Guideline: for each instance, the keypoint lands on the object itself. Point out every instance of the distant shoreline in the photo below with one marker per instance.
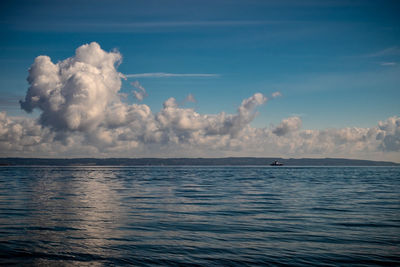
(228, 161)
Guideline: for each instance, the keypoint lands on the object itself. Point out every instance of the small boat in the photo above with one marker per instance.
(276, 163)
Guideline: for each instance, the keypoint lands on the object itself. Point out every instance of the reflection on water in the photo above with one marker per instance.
(63, 210)
(199, 215)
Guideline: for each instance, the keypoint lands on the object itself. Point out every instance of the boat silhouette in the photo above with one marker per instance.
(276, 163)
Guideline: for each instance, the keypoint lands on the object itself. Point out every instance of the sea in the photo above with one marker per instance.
(199, 216)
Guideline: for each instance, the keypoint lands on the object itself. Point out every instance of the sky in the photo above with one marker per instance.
(200, 79)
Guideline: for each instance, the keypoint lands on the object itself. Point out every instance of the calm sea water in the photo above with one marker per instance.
(202, 216)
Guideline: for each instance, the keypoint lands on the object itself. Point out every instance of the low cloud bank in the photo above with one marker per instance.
(82, 114)
(287, 126)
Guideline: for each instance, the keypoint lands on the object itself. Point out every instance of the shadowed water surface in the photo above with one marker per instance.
(199, 215)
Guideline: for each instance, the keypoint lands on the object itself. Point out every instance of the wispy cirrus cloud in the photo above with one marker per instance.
(201, 23)
(388, 63)
(144, 25)
(166, 75)
(390, 51)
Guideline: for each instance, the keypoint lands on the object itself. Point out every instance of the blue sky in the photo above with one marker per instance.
(325, 57)
(336, 63)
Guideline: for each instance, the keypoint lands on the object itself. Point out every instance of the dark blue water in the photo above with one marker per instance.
(199, 216)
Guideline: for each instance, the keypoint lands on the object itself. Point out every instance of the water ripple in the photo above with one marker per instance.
(199, 216)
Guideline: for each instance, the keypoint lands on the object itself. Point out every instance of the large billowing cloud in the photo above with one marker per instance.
(73, 94)
(82, 114)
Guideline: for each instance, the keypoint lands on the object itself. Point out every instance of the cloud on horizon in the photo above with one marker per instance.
(82, 114)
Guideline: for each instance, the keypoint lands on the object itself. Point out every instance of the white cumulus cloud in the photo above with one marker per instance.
(288, 125)
(75, 93)
(190, 98)
(82, 115)
(276, 94)
(140, 93)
